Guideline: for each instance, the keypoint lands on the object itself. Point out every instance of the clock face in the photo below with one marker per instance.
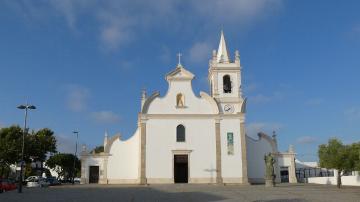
(229, 108)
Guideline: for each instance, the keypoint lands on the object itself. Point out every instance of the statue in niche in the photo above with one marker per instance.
(269, 170)
(180, 100)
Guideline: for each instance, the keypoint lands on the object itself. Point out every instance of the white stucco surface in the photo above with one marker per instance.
(231, 164)
(284, 161)
(91, 161)
(124, 157)
(256, 150)
(193, 104)
(199, 142)
(345, 180)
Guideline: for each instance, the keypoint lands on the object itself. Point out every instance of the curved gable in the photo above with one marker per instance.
(180, 87)
(148, 102)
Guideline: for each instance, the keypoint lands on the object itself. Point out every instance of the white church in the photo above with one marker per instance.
(183, 137)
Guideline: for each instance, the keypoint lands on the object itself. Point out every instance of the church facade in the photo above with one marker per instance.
(187, 138)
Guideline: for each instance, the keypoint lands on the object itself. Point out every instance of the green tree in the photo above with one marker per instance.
(36, 145)
(355, 155)
(336, 155)
(98, 149)
(40, 143)
(63, 164)
(10, 148)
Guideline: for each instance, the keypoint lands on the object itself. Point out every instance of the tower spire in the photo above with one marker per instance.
(222, 53)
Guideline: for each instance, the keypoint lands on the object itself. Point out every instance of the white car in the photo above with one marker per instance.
(37, 182)
(32, 178)
(77, 180)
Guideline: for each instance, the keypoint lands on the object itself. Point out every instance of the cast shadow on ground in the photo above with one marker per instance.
(282, 200)
(89, 194)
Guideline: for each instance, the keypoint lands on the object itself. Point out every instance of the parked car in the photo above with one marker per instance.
(32, 178)
(7, 185)
(53, 181)
(39, 182)
(77, 180)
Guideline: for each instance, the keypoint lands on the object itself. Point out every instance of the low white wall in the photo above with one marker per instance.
(88, 161)
(123, 162)
(256, 150)
(346, 180)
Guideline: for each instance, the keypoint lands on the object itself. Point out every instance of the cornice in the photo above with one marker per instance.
(192, 116)
(98, 155)
(110, 142)
(148, 102)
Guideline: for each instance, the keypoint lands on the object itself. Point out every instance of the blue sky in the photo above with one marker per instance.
(84, 63)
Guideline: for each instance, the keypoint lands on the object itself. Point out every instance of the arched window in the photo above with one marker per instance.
(227, 84)
(180, 100)
(180, 133)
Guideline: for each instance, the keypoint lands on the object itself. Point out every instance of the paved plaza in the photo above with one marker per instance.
(186, 193)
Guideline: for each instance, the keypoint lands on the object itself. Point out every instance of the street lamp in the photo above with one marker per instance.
(26, 108)
(77, 136)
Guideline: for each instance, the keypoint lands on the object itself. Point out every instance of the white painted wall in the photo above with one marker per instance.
(231, 164)
(167, 104)
(256, 150)
(284, 161)
(161, 140)
(123, 162)
(91, 161)
(345, 180)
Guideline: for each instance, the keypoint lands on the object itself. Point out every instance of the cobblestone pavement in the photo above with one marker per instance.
(186, 193)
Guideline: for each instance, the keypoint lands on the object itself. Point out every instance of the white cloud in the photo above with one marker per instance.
(352, 113)
(306, 140)
(119, 22)
(66, 8)
(252, 129)
(115, 30)
(200, 52)
(77, 98)
(240, 11)
(105, 117)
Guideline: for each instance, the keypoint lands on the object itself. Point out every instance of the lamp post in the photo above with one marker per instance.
(26, 108)
(77, 136)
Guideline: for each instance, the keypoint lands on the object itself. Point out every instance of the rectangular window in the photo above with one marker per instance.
(230, 143)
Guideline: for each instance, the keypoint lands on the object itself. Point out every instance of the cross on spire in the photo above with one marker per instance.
(179, 58)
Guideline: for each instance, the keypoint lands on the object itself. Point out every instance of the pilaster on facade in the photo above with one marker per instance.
(142, 168)
(104, 179)
(219, 179)
(244, 164)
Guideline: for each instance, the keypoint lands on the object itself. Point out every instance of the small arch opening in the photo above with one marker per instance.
(227, 84)
(180, 133)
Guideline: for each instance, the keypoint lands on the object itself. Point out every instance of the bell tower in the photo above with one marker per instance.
(225, 78)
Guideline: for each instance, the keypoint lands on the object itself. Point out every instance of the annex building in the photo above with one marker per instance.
(183, 137)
